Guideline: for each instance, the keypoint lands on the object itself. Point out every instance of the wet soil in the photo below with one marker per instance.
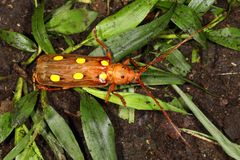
(150, 136)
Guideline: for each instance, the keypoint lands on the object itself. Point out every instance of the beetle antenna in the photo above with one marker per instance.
(161, 57)
(149, 93)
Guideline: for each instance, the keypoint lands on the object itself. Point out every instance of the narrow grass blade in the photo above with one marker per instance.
(227, 37)
(61, 130)
(39, 31)
(5, 126)
(127, 18)
(125, 43)
(63, 133)
(18, 41)
(185, 18)
(28, 153)
(31, 151)
(18, 90)
(159, 77)
(201, 7)
(54, 145)
(24, 108)
(232, 149)
(97, 128)
(71, 21)
(24, 143)
(25, 88)
(134, 100)
(19, 147)
(33, 57)
(200, 135)
(48, 136)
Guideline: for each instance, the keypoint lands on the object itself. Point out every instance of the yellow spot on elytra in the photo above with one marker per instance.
(78, 76)
(103, 76)
(57, 58)
(80, 60)
(55, 78)
(104, 63)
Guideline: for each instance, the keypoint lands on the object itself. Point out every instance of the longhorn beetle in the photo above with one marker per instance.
(73, 70)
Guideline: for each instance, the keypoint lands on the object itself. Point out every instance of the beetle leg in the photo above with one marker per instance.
(121, 98)
(126, 61)
(149, 93)
(102, 44)
(132, 61)
(66, 87)
(111, 90)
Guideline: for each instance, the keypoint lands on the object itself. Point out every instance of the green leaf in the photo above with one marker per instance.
(54, 145)
(228, 37)
(232, 149)
(160, 77)
(48, 136)
(217, 10)
(19, 147)
(5, 126)
(127, 114)
(97, 128)
(24, 108)
(24, 143)
(64, 8)
(127, 18)
(195, 56)
(176, 58)
(63, 133)
(177, 102)
(187, 20)
(134, 100)
(39, 31)
(30, 151)
(71, 21)
(125, 43)
(18, 41)
(61, 130)
(201, 7)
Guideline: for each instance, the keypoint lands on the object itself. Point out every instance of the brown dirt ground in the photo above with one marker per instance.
(150, 137)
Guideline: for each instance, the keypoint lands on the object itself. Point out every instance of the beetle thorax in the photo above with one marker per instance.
(120, 74)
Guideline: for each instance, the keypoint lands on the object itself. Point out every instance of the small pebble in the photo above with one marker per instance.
(233, 64)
